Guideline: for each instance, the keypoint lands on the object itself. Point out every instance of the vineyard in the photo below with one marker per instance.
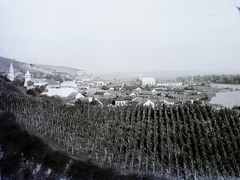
(184, 141)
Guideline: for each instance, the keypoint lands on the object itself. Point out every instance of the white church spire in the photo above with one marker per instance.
(11, 73)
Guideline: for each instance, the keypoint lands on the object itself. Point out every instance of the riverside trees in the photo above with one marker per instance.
(184, 141)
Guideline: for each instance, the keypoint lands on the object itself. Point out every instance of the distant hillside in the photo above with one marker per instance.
(21, 68)
(68, 70)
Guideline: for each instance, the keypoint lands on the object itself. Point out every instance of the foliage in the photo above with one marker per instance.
(205, 97)
(30, 83)
(32, 92)
(4, 76)
(105, 87)
(206, 79)
(18, 82)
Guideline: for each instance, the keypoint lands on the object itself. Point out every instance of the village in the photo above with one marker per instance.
(146, 91)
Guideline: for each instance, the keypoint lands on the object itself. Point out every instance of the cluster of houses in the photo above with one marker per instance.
(89, 89)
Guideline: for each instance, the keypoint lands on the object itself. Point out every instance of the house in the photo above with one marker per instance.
(107, 100)
(137, 100)
(170, 101)
(39, 82)
(83, 87)
(148, 102)
(79, 96)
(72, 96)
(116, 86)
(137, 90)
(100, 93)
(128, 98)
(154, 92)
(162, 98)
(69, 84)
(120, 101)
(150, 81)
(83, 78)
(145, 94)
(55, 85)
(133, 95)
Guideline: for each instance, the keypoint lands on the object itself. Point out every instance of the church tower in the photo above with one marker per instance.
(27, 78)
(11, 74)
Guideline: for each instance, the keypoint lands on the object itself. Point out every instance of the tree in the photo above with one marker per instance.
(49, 76)
(30, 83)
(18, 82)
(58, 78)
(205, 97)
(105, 87)
(32, 92)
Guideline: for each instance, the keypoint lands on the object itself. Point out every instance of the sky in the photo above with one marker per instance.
(123, 35)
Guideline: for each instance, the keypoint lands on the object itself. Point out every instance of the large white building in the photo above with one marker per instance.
(148, 81)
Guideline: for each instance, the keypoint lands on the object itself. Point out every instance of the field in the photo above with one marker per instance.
(184, 141)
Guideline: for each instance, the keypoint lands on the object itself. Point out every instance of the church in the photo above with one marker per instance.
(150, 81)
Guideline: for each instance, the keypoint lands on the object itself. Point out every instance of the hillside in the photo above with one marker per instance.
(25, 156)
(188, 141)
(21, 68)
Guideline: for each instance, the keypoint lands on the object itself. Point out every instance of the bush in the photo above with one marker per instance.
(32, 92)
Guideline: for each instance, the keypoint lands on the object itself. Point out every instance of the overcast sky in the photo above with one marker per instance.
(123, 35)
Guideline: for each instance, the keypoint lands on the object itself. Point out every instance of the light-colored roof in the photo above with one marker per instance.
(39, 81)
(68, 83)
(148, 79)
(138, 89)
(137, 99)
(119, 98)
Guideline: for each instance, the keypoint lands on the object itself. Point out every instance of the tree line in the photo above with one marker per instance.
(206, 79)
(184, 141)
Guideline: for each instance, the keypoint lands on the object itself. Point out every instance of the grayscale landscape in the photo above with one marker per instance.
(120, 90)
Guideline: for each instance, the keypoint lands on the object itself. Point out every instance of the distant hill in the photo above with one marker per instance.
(21, 68)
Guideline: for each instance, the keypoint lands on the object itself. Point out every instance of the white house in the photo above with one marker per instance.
(39, 82)
(120, 101)
(148, 81)
(148, 102)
